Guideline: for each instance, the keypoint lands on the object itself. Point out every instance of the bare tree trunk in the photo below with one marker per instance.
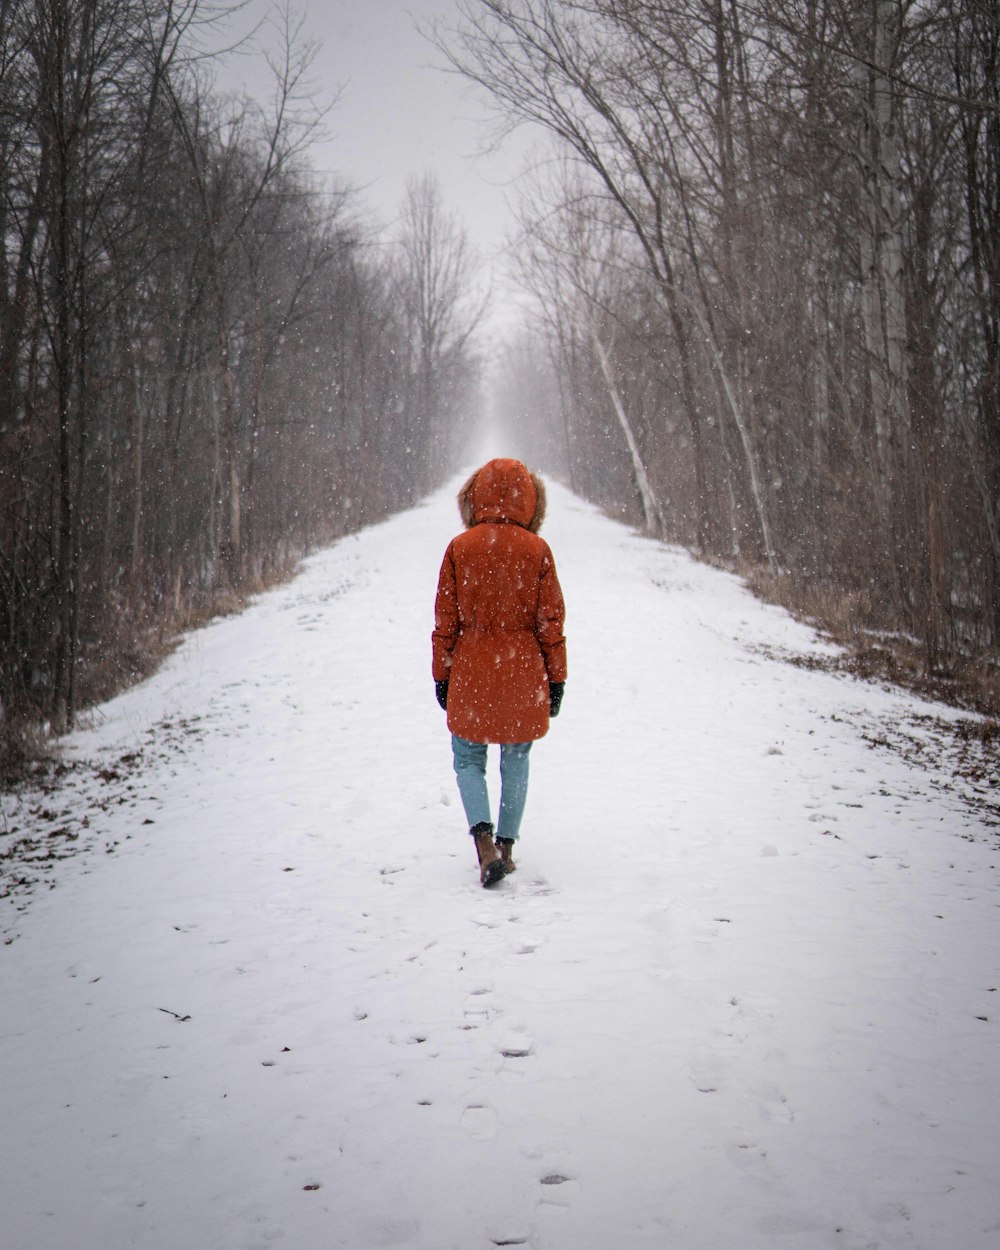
(68, 520)
(135, 436)
(651, 515)
(881, 238)
(231, 548)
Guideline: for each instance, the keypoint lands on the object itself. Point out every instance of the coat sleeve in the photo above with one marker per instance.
(446, 626)
(551, 619)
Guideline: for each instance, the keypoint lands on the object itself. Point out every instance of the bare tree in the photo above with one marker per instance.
(230, 191)
(200, 353)
(810, 195)
(436, 280)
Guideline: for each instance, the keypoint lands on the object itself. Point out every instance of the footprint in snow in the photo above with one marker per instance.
(745, 1154)
(708, 1073)
(516, 1045)
(510, 1234)
(479, 1121)
(558, 1191)
(769, 1093)
(537, 885)
(477, 1008)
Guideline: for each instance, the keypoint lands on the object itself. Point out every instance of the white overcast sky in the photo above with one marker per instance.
(399, 112)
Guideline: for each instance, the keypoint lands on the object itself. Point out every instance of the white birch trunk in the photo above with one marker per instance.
(650, 505)
(746, 442)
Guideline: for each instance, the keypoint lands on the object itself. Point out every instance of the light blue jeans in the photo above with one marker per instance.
(470, 771)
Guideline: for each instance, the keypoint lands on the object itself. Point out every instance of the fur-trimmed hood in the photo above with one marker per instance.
(503, 491)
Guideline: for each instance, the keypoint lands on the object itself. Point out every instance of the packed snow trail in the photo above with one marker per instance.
(740, 994)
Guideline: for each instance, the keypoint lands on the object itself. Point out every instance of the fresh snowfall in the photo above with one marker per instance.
(740, 993)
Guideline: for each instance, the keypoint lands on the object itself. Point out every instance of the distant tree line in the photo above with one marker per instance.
(207, 363)
(767, 255)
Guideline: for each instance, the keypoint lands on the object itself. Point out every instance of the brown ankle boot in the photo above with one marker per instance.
(506, 848)
(490, 864)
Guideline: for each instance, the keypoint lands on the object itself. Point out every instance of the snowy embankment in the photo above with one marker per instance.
(740, 994)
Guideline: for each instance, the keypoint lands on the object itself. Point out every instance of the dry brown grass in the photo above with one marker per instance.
(132, 646)
(969, 683)
(24, 747)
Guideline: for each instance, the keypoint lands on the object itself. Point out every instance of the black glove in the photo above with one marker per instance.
(555, 696)
(441, 690)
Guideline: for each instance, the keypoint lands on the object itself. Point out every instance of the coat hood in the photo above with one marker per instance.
(503, 490)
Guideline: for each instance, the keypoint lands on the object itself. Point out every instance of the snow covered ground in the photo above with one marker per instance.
(741, 992)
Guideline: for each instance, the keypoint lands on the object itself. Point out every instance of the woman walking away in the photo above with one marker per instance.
(499, 655)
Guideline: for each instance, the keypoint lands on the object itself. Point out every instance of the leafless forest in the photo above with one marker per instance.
(767, 251)
(763, 241)
(207, 364)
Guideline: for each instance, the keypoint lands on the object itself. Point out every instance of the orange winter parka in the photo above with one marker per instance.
(498, 616)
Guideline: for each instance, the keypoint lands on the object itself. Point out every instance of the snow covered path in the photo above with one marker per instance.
(740, 994)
